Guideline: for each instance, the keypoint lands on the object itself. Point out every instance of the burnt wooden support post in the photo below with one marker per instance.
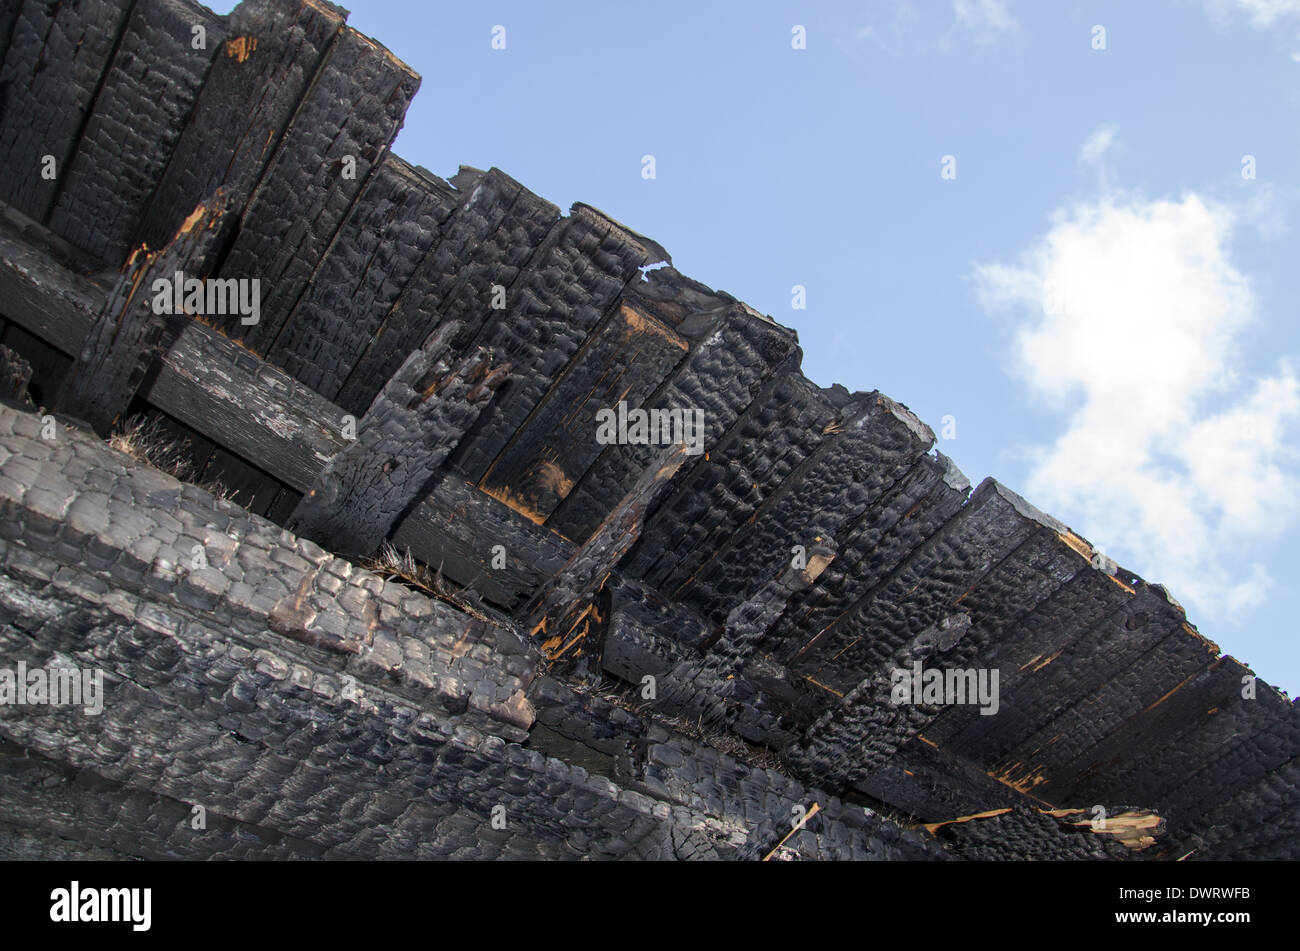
(127, 335)
(417, 419)
(562, 602)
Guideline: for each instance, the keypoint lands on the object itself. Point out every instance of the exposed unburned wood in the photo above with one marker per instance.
(127, 334)
(410, 428)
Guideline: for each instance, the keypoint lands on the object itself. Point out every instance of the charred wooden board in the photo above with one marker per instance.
(271, 54)
(551, 307)
(1157, 749)
(487, 240)
(1061, 687)
(137, 120)
(479, 543)
(732, 353)
(57, 56)
(624, 362)
(921, 591)
(909, 513)
(766, 444)
(871, 446)
(347, 120)
(394, 223)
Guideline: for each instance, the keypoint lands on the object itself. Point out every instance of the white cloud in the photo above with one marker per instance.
(1170, 458)
(1097, 144)
(1261, 13)
(985, 18)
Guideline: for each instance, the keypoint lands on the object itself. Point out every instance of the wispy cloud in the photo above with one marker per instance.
(1260, 13)
(1097, 145)
(1170, 456)
(986, 20)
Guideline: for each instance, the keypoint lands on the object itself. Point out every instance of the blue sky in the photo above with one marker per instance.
(1100, 299)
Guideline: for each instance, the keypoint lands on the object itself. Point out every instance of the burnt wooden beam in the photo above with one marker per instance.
(621, 363)
(57, 56)
(127, 334)
(561, 603)
(138, 117)
(401, 442)
(562, 296)
(714, 687)
(260, 75)
(872, 444)
(868, 727)
(733, 350)
(394, 224)
(488, 239)
(341, 130)
(776, 433)
(914, 508)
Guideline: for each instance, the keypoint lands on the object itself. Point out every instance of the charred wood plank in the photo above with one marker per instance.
(863, 732)
(768, 442)
(911, 511)
(551, 307)
(487, 240)
(9, 10)
(394, 223)
(259, 77)
(1164, 744)
(561, 603)
(921, 591)
(412, 426)
(479, 543)
(622, 363)
(873, 443)
(57, 56)
(1034, 644)
(127, 335)
(713, 688)
(347, 120)
(137, 120)
(733, 350)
